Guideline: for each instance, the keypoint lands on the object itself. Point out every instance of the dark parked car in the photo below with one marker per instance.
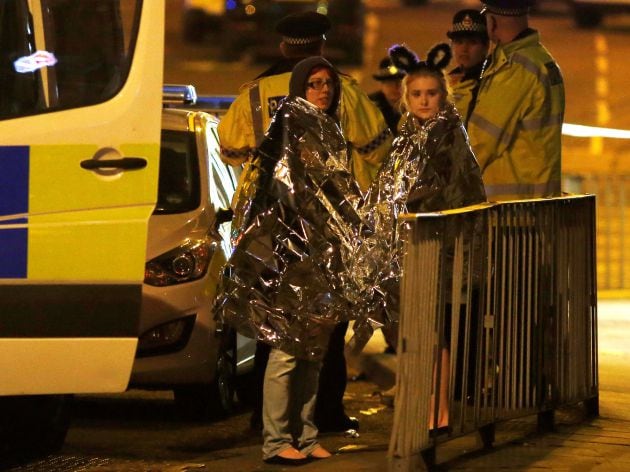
(248, 26)
(590, 13)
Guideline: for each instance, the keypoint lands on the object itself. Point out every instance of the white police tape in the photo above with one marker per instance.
(582, 131)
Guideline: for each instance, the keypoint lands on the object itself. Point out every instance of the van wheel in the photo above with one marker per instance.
(215, 400)
(32, 426)
(193, 26)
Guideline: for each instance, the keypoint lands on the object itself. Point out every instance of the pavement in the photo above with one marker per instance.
(577, 443)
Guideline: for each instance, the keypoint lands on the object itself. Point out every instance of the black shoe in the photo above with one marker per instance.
(440, 431)
(284, 461)
(339, 425)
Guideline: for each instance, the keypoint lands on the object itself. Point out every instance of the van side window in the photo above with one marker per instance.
(60, 54)
(179, 184)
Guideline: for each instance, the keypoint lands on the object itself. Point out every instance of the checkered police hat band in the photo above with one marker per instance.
(467, 27)
(302, 41)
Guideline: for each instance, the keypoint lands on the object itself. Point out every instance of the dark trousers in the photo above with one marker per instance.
(332, 378)
(473, 340)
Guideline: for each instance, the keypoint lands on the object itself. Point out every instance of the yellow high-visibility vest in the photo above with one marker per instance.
(242, 128)
(515, 127)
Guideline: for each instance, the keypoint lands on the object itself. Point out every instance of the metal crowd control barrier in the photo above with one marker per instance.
(522, 337)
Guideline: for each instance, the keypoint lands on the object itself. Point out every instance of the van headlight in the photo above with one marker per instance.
(183, 264)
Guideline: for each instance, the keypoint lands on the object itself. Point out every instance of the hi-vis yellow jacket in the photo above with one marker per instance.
(515, 127)
(242, 128)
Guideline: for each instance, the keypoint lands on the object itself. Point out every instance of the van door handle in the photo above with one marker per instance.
(126, 163)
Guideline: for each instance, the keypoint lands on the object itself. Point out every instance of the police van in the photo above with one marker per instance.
(80, 101)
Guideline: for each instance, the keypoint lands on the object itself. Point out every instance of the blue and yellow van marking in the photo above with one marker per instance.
(14, 196)
(60, 222)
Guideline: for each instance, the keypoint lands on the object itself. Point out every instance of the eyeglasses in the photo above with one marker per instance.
(318, 84)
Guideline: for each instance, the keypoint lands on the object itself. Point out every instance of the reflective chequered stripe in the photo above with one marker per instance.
(375, 143)
(237, 153)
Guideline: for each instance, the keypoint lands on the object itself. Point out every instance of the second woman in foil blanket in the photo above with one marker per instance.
(431, 168)
(287, 282)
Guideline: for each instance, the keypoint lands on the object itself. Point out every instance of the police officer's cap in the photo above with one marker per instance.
(468, 23)
(388, 71)
(303, 28)
(507, 7)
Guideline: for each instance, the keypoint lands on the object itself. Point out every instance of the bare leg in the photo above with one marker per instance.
(443, 392)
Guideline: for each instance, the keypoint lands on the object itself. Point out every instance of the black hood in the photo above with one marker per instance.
(300, 74)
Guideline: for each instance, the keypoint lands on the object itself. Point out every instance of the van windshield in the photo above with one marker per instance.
(178, 188)
(61, 54)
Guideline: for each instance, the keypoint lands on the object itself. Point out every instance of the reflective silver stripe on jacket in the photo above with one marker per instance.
(532, 67)
(539, 123)
(493, 130)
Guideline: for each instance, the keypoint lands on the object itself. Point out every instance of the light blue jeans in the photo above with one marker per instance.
(289, 395)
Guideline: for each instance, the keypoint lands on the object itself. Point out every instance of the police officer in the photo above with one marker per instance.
(469, 42)
(243, 126)
(387, 98)
(241, 130)
(515, 127)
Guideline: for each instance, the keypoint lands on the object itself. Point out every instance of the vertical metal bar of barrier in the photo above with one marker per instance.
(545, 330)
(504, 314)
(457, 272)
(410, 432)
(473, 326)
(554, 328)
(593, 304)
(564, 295)
(531, 301)
(442, 275)
(538, 241)
(487, 373)
(498, 282)
(512, 320)
(578, 310)
(519, 334)
(523, 228)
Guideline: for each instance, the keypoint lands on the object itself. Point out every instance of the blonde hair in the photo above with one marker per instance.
(425, 72)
